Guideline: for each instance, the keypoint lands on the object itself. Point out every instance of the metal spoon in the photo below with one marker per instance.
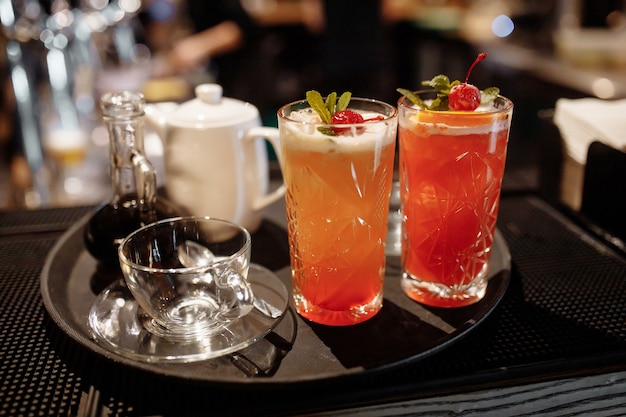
(193, 254)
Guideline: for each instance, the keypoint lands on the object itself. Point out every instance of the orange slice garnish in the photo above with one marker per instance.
(458, 118)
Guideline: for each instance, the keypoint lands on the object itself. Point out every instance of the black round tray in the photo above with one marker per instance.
(296, 350)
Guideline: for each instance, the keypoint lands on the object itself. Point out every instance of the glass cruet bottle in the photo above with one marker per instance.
(135, 201)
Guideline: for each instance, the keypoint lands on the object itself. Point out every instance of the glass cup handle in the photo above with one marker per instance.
(234, 295)
(145, 179)
(271, 134)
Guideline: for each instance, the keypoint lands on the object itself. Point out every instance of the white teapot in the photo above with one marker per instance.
(215, 158)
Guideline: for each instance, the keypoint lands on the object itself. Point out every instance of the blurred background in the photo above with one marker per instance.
(57, 57)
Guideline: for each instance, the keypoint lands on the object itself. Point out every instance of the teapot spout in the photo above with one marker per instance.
(157, 116)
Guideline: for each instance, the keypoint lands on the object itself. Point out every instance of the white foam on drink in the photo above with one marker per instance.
(306, 135)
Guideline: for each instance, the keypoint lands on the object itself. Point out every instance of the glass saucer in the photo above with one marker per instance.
(119, 324)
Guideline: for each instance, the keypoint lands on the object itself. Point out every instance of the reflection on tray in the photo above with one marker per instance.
(396, 333)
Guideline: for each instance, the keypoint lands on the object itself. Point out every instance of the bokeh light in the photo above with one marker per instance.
(502, 26)
(603, 88)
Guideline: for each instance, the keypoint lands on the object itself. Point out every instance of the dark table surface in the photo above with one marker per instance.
(554, 345)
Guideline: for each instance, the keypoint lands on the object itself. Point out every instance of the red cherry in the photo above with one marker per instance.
(466, 96)
(345, 117)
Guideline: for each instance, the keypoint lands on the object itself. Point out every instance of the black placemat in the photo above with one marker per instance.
(52, 219)
(564, 313)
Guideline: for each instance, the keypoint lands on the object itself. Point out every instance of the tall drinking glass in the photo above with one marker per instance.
(451, 168)
(338, 180)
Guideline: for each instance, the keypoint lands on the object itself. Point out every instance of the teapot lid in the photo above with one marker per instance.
(210, 108)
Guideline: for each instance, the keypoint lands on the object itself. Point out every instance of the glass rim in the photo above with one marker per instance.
(407, 104)
(123, 258)
(281, 113)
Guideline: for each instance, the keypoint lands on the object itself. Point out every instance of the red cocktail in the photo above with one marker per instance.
(451, 168)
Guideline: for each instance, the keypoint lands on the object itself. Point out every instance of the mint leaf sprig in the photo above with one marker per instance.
(489, 94)
(455, 95)
(442, 85)
(327, 108)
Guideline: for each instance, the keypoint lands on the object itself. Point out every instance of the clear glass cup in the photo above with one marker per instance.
(338, 180)
(451, 168)
(189, 275)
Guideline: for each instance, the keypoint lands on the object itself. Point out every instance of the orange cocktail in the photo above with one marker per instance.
(338, 189)
(451, 168)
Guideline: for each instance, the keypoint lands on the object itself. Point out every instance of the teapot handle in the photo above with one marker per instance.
(271, 134)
